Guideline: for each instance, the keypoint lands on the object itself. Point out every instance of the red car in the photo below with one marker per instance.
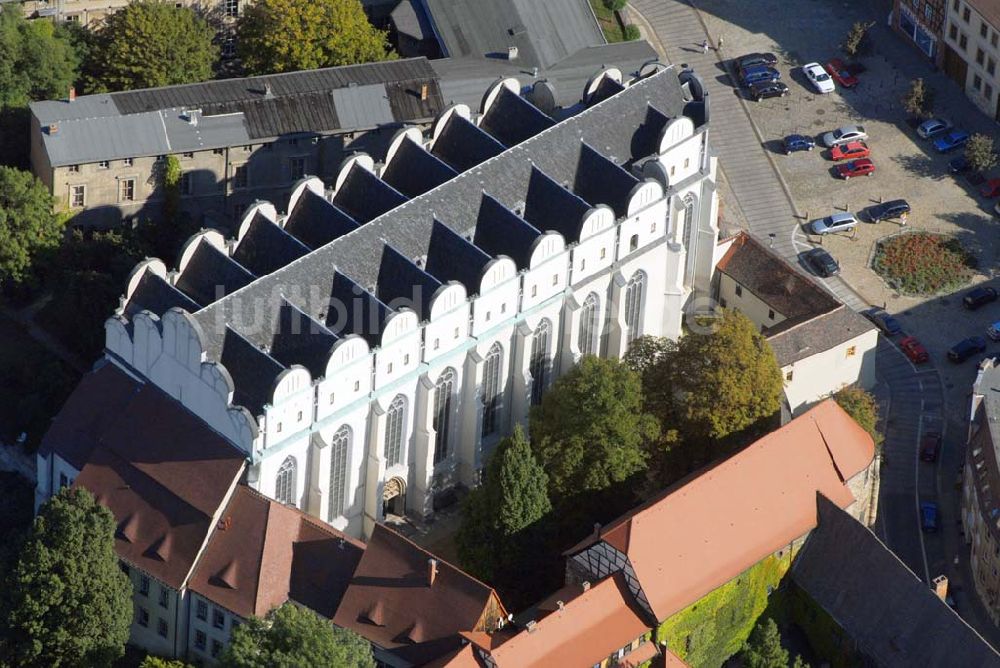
(914, 350)
(838, 70)
(850, 151)
(991, 188)
(930, 446)
(862, 167)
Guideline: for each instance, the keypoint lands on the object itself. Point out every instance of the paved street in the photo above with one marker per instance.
(777, 194)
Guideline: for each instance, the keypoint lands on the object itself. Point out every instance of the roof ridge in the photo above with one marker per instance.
(440, 561)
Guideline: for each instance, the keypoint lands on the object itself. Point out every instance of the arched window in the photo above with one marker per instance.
(339, 448)
(491, 389)
(394, 421)
(688, 221)
(587, 339)
(539, 360)
(635, 294)
(633, 242)
(284, 482)
(443, 390)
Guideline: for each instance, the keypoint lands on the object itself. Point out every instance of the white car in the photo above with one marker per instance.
(845, 134)
(933, 127)
(838, 222)
(819, 78)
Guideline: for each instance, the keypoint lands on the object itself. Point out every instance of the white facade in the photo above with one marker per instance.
(975, 39)
(389, 426)
(816, 377)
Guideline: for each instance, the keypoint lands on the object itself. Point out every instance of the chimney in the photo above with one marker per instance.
(225, 523)
(53, 128)
(941, 586)
(423, 91)
(585, 585)
(72, 93)
(511, 53)
(531, 626)
(268, 93)
(560, 605)
(432, 571)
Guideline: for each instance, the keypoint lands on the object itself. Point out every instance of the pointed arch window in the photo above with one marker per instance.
(688, 221)
(635, 294)
(539, 360)
(491, 389)
(587, 339)
(394, 422)
(284, 482)
(443, 392)
(339, 449)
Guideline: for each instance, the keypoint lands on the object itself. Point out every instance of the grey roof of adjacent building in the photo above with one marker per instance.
(823, 332)
(543, 32)
(410, 19)
(347, 269)
(891, 615)
(363, 106)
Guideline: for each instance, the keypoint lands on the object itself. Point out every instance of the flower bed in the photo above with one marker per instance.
(920, 263)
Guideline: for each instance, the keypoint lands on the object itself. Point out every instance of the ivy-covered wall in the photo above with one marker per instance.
(826, 638)
(708, 632)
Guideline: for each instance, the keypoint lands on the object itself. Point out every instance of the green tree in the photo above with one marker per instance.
(980, 153)
(289, 35)
(861, 406)
(150, 43)
(615, 5)
(160, 662)
(919, 99)
(68, 602)
(502, 519)
(290, 636)
(763, 649)
(37, 59)
(28, 226)
(855, 38)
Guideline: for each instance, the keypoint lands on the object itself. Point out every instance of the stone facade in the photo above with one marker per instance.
(972, 52)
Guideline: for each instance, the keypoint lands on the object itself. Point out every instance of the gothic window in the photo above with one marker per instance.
(394, 431)
(284, 483)
(688, 221)
(443, 390)
(587, 340)
(338, 470)
(491, 389)
(539, 360)
(635, 295)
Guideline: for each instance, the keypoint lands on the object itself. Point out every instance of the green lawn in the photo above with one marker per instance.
(609, 24)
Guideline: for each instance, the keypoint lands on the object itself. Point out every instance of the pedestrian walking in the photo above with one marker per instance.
(704, 46)
(719, 47)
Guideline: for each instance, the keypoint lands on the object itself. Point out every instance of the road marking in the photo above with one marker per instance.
(916, 497)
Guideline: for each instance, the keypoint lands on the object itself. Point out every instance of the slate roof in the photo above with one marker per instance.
(154, 293)
(600, 180)
(253, 371)
(463, 145)
(209, 272)
(315, 222)
(300, 339)
(543, 32)
(363, 196)
(511, 119)
(266, 247)
(549, 206)
(452, 258)
(502, 232)
(889, 613)
(413, 171)
(402, 284)
(409, 19)
(826, 331)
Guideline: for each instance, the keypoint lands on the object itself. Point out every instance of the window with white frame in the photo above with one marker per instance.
(77, 196)
(443, 390)
(233, 8)
(284, 482)
(491, 389)
(635, 294)
(126, 190)
(394, 422)
(587, 338)
(201, 611)
(339, 449)
(539, 360)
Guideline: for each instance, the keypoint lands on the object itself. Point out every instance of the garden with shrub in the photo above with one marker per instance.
(920, 263)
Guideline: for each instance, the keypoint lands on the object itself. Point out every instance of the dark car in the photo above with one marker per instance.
(929, 516)
(795, 143)
(767, 89)
(966, 348)
(754, 59)
(885, 322)
(930, 446)
(977, 297)
(887, 210)
(757, 75)
(991, 189)
(958, 165)
(821, 262)
(951, 141)
(914, 350)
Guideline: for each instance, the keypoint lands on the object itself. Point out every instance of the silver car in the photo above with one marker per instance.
(838, 222)
(933, 127)
(843, 135)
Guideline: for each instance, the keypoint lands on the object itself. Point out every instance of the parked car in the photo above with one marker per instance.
(887, 210)
(838, 70)
(885, 322)
(980, 296)
(933, 127)
(821, 262)
(838, 222)
(756, 75)
(843, 135)
(819, 78)
(993, 331)
(768, 89)
(958, 165)
(862, 167)
(966, 348)
(929, 516)
(949, 142)
(914, 350)
(930, 446)
(795, 143)
(991, 189)
(753, 59)
(850, 151)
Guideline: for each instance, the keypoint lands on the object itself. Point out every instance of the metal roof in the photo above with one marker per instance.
(363, 106)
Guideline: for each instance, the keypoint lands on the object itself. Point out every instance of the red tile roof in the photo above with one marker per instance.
(585, 631)
(262, 553)
(391, 601)
(743, 509)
